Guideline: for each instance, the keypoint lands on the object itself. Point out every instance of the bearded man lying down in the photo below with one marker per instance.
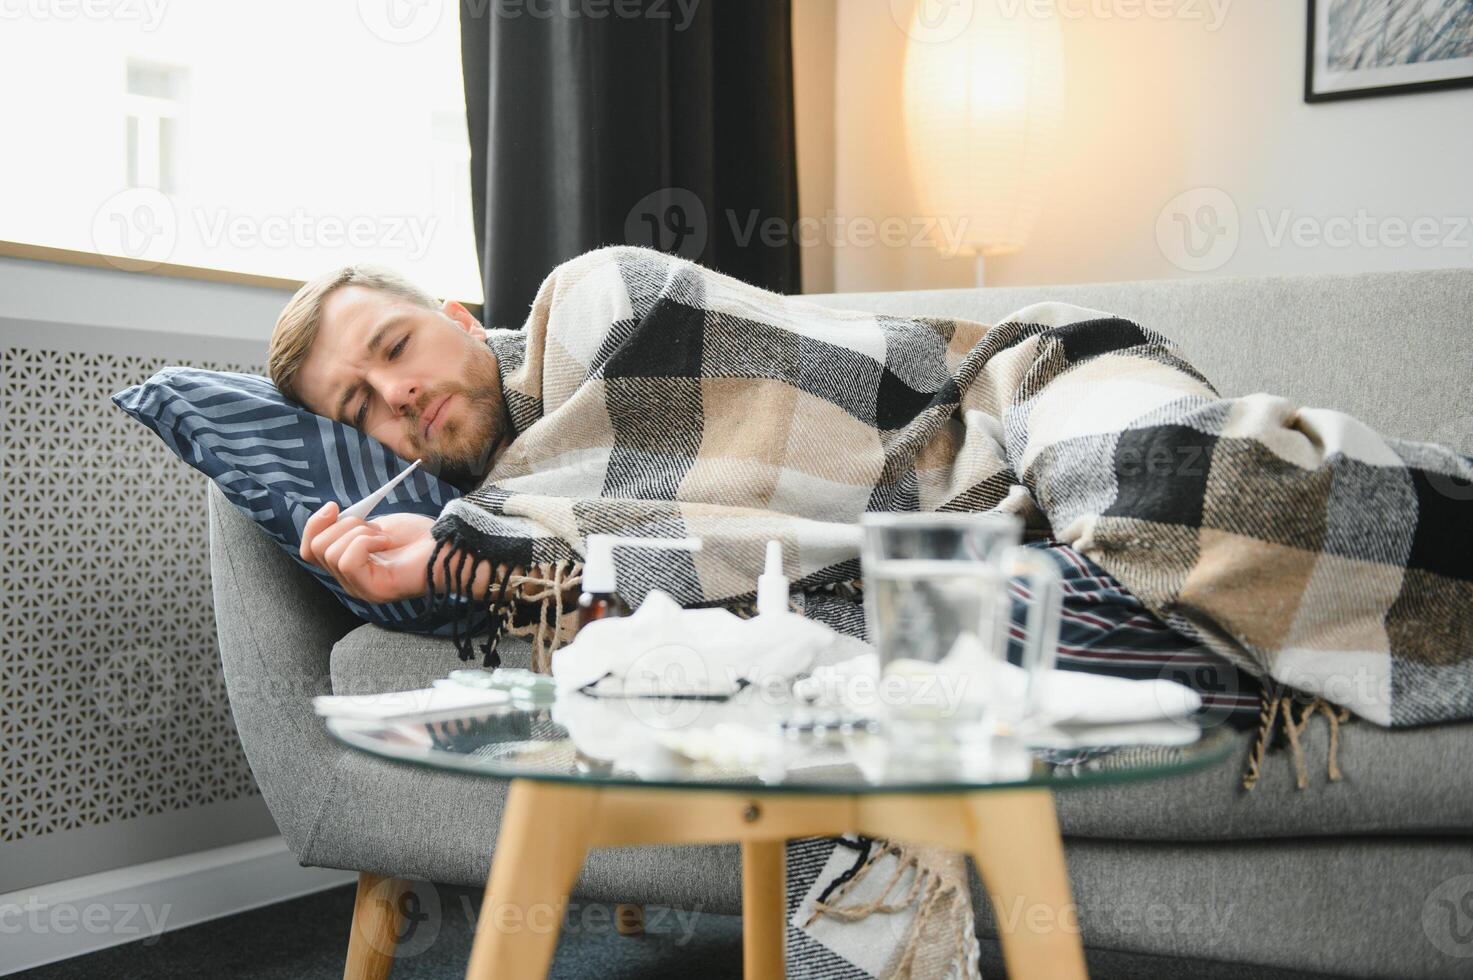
(647, 395)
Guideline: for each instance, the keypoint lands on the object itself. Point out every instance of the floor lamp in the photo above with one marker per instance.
(982, 119)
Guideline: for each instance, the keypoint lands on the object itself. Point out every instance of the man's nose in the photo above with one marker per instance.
(402, 395)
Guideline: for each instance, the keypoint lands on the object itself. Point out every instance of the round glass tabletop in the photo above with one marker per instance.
(749, 748)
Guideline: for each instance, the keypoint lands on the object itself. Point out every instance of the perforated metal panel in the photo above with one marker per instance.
(112, 703)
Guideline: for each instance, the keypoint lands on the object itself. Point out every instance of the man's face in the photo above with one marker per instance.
(422, 382)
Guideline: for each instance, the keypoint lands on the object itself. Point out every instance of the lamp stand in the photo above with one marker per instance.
(981, 270)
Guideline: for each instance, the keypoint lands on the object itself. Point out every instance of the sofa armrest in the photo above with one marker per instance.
(276, 628)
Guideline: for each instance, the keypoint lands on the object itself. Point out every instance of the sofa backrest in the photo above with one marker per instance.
(1393, 349)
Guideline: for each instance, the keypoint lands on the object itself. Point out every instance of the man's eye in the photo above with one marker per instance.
(362, 415)
(399, 347)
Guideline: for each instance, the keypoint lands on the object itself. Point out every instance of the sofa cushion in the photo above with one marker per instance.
(1406, 781)
(371, 660)
(1266, 910)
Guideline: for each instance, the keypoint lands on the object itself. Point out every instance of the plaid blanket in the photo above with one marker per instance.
(653, 397)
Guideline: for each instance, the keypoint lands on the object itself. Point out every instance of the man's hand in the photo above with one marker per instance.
(382, 560)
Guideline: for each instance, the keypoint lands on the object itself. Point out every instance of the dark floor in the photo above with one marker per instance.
(305, 939)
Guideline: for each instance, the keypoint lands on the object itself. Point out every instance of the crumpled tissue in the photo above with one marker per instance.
(662, 650)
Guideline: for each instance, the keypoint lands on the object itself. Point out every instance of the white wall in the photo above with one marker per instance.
(1155, 108)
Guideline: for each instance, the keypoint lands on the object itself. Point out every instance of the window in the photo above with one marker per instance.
(275, 137)
(153, 106)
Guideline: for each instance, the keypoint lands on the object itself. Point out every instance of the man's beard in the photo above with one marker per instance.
(464, 446)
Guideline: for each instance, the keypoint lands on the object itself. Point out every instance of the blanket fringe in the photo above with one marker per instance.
(547, 589)
(930, 893)
(1276, 709)
(535, 604)
(523, 603)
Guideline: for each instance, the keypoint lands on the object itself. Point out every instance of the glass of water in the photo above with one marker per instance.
(938, 609)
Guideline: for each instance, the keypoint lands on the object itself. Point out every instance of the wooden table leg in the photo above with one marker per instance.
(1020, 857)
(764, 909)
(545, 834)
(548, 828)
(377, 919)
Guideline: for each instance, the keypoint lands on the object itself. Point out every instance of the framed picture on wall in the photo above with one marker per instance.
(1358, 48)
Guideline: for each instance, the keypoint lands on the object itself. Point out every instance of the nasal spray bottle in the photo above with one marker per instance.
(772, 584)
(600, 598)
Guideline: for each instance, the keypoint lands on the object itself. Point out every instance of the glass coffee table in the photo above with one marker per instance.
(581, 777)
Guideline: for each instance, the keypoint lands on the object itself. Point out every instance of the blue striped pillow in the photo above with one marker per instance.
(278, 463)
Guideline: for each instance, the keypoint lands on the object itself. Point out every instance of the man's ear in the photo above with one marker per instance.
(462, 318)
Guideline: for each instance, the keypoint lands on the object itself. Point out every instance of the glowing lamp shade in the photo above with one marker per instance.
(982, 117)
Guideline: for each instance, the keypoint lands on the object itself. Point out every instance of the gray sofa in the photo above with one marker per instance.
(1341, 878)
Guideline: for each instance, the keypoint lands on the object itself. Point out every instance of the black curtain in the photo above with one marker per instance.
(666, 123)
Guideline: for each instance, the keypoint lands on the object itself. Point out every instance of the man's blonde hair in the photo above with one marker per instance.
(297, 326)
